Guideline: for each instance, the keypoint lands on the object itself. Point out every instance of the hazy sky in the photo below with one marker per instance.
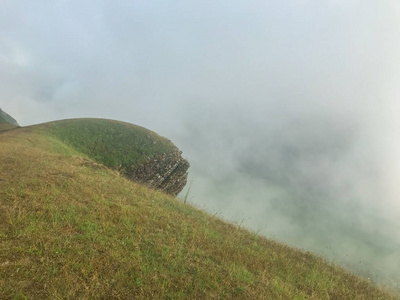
(287, 110)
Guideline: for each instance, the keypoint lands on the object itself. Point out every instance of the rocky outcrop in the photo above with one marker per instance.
(167, 172)
(135, 152)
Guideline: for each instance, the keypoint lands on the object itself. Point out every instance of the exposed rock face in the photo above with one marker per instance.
(167, 172)
(133, 151)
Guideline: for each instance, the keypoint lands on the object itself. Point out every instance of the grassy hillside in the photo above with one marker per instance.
(6, 118)
(6, 121)
(73, 229)
(7, 126)
(111, 143)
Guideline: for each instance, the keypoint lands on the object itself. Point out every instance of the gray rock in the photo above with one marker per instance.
(167, 172)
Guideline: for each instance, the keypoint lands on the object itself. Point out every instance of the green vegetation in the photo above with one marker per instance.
(73, 229)
(111, 143)
(6, 121)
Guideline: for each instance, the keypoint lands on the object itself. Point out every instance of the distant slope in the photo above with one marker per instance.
(72, 229)
(6, 121)
(111, 143)
(136, 152)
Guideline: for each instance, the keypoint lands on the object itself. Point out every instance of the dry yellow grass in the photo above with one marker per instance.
(73, 229)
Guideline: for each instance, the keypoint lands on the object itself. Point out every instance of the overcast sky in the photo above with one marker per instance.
(278, 105)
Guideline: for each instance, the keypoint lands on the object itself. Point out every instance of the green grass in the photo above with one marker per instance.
(112, 143)
(71, 229)
(7, 119)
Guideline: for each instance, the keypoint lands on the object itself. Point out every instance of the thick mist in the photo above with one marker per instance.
(315, 180)
(287, 111)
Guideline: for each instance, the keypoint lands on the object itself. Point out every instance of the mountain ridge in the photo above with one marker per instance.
(136, 152)
(6, 121)
(73, 229)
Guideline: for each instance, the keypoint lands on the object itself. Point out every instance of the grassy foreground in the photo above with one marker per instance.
(73, 229)
(6, 126)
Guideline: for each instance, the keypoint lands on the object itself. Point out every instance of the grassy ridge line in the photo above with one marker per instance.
(112, 143)
(6, 118)
(7, 126)
(75, 230)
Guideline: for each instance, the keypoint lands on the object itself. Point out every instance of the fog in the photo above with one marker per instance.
(286, 110)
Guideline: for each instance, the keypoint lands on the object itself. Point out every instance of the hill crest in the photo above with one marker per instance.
(134, 151)
(73, 230)
(6, 121)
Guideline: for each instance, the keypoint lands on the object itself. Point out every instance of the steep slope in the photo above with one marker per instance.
(73, 229)
(6, 121)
